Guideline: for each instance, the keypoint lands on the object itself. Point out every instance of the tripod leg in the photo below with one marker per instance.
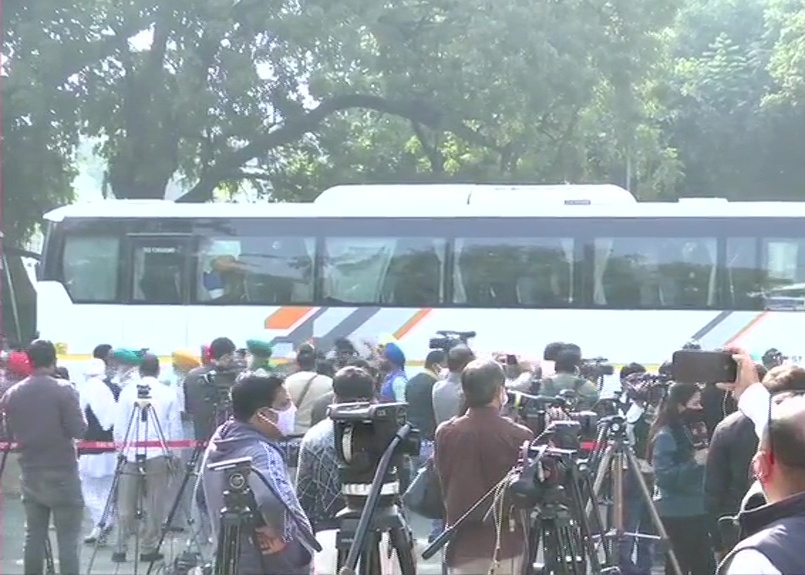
(370, 561)
(580, 485)
(600, 476)
(402, 545)
(655, 516)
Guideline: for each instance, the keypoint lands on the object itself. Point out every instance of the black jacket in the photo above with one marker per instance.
(419, 395)
(727, 475)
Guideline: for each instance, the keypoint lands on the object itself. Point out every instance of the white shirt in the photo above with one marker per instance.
(164, 410)
(754, 404)
(96, 395)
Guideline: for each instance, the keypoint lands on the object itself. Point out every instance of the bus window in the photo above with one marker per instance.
(783, 274)
(405, 271)
(159, 270)
(655, 273)
(90, 267)
(510, 272)
(256, 270)
(743, 279)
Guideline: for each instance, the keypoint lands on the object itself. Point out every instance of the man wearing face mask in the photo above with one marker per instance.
(772, 532)
(262, 416)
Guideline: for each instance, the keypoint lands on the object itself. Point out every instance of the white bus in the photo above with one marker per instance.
(627, 281)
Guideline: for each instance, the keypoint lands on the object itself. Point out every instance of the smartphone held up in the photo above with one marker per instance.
(708, 367)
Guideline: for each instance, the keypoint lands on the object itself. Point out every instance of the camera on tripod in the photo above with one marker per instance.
(647, 388)
(143, 392)
(543, 472)
(577, 425)
(363, 431)
(595, 368)
(448, 339)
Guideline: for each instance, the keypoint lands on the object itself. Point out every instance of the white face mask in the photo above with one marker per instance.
(286, 420)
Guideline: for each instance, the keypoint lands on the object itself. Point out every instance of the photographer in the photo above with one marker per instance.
(285, 541)
(678, 451)
(473, 452)
(567, 377)
(199, 397)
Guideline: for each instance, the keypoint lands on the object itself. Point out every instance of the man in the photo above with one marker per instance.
(146, 471)
(727, 478)
(419, 395)
(447, 394)
(306, 386)
(392, 362)
(44, 417)
(567, 378)
(285, 541)
(260, 354)
(103, 352)
(772, 533)
(319, 410)
(473, 453)
(201, 394)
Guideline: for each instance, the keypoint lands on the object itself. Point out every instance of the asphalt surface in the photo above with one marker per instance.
(11, 545)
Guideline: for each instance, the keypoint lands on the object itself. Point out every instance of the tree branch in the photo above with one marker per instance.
(433, 154)
(294, 128)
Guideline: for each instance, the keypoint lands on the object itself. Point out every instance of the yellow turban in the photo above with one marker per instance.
(186, 360)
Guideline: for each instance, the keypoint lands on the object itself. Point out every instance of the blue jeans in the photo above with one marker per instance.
(636, 519)
(425, 452)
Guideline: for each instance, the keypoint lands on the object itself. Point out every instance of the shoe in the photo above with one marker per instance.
(93, 536)
(151, 557)
(119, 557)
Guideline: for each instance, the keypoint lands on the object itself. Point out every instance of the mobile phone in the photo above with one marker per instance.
(697, 366)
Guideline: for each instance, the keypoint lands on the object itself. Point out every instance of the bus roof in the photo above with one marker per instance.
(165, 209)
(476, 194)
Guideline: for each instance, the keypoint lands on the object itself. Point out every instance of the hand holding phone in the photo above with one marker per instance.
(709, 367)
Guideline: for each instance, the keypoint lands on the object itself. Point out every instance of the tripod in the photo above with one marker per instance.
(238, 516)
(371, 514)
(137, 430)
(616, 458)
(50, 564)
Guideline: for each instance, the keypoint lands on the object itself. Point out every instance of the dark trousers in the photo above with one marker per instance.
(690, 540)
(56, 493)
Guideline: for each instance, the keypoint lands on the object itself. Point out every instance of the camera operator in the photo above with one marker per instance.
(44, 416)
(285, 541)
(637, 517)
(473, 452)
(678, 451)
(729, 458)
(199, 405)
(447, 393)
(164, 406)
(772, 532)
(319, 410)
(549, 356)
(567, 364)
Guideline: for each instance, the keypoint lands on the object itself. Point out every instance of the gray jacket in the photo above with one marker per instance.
(447, 397)
(292, 542)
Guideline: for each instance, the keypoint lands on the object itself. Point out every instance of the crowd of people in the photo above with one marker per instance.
(697, 448)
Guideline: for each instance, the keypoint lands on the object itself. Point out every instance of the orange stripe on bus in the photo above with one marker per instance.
(747, 328)
(286, 317)
(411, 323)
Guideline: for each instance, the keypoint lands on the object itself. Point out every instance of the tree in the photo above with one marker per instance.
(227, 92)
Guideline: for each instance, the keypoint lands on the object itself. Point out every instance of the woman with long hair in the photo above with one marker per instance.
(678, 451)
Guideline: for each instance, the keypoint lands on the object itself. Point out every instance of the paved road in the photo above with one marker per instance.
(12, 517)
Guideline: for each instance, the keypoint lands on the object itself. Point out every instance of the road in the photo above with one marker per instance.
(11, 544)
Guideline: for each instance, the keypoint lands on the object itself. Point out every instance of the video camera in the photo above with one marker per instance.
(648, 388)
(570, 432)
(219, 380)
(448, 339)
(363, 432)
(595, 368)
(542, 473)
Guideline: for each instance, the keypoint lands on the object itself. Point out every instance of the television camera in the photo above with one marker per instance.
(533, 411)
(370, 441)
(448, 339)
(596, 368)
(647, 388)
(220, 379)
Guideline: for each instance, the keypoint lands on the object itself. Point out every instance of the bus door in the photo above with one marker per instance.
(159, 278)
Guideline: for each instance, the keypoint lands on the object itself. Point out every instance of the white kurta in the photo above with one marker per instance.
(97, 469)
